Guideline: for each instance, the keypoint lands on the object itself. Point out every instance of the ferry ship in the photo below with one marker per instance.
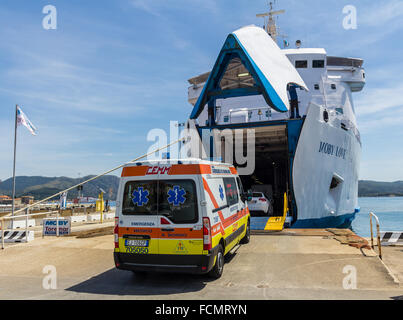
(299, 103)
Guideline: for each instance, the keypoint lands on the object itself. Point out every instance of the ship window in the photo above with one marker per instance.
(333, 86)
(316, 86)
(339, 110)
(301, 64)
(318, 63)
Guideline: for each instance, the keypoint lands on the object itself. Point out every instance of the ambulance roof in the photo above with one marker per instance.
(175, 161)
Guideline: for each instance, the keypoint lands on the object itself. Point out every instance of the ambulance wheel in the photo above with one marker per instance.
(218, 268)
(246, 238)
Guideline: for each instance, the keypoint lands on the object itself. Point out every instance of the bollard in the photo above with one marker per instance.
(372, 233)
(379, 241)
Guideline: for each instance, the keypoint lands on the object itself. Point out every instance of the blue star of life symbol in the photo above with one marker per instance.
(221, 192)
(176, 196)
(140, 196)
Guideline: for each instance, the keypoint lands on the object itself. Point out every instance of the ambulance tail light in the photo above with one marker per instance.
(207, 243)
(262, 199)
(116, 233)
(164, 221)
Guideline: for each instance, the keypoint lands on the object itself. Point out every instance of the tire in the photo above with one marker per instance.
(246, 238)
(218, 268)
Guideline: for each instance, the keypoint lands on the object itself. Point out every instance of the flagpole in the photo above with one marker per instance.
(15, 154)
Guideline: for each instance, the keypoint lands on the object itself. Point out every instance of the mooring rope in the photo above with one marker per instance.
(98, 176)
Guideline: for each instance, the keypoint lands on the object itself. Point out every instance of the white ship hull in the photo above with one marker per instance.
(325, 152)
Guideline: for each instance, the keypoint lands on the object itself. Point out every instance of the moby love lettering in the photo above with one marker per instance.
(332, 150)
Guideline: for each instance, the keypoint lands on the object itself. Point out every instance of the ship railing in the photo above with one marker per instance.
(255, 114)
(378, 236)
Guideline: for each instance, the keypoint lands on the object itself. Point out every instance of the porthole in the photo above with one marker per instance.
(325, 116)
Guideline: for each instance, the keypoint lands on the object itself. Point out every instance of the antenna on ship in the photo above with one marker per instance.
(270, 24)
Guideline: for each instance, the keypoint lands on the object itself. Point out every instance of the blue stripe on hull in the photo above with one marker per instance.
(342, 221)
(258, 223)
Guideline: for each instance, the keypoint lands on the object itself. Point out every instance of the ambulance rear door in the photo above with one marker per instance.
(138, 222)
(180, 215)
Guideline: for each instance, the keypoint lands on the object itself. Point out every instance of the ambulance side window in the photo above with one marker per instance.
(240, 187)
(241, 190)
(231, 191)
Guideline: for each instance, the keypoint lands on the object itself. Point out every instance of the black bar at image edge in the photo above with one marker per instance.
(202, 309)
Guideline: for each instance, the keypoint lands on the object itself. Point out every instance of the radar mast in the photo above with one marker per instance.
(270, 24)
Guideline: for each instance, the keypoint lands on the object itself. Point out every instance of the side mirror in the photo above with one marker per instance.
(247, 196)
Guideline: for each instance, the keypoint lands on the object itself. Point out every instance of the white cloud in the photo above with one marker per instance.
(377, 100)
(381, 122)
(146, 6)
(381, 13)
(158, 7)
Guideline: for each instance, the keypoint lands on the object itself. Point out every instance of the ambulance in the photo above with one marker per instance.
(179, 216)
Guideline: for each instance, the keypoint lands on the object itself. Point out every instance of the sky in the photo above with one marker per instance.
(113, 70)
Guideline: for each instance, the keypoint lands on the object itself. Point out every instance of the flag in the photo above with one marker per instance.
(22, 119)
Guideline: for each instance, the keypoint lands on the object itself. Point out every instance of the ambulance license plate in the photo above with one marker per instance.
(136, 243)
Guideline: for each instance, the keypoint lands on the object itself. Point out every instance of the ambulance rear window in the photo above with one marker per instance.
(175, 199)
(140, 198)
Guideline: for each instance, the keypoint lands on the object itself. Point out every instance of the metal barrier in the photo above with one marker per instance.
(26, 215)
(102, 216)
(392, 237)
(371, 214)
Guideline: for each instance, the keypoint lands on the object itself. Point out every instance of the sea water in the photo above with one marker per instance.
(388, 209)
